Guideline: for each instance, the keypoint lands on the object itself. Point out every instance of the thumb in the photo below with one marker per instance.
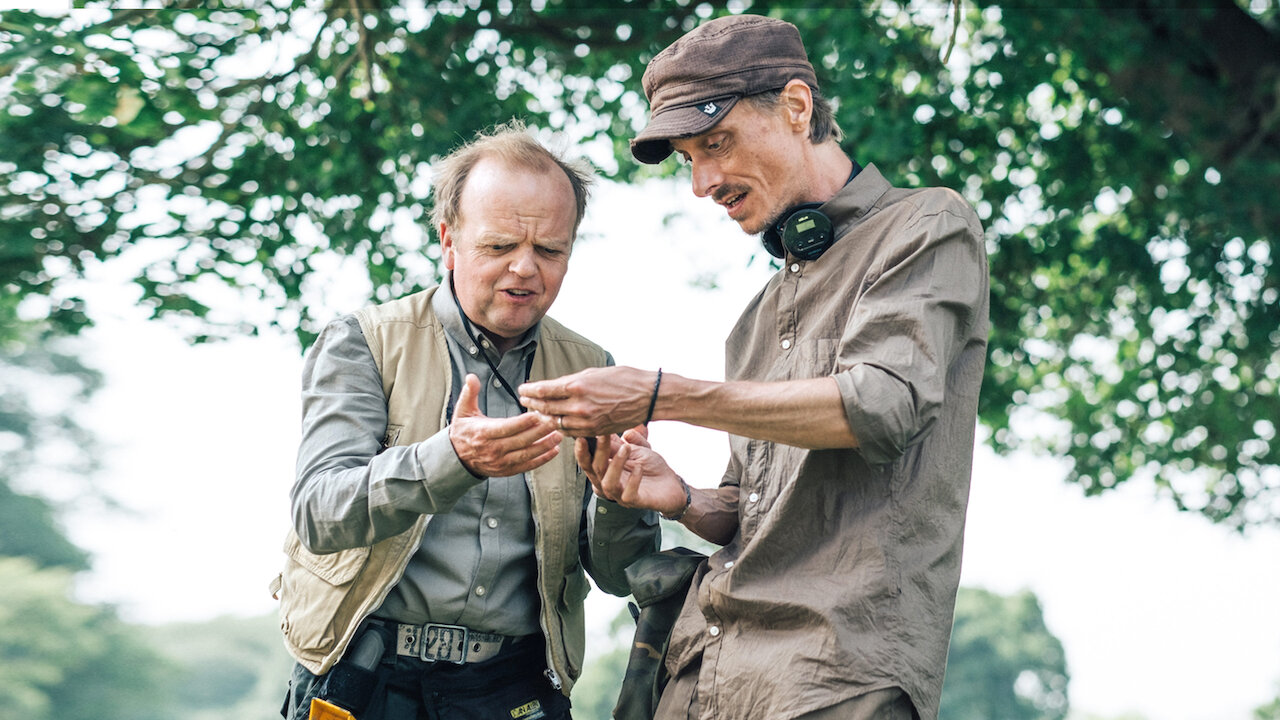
(469, 399)
(638, 435)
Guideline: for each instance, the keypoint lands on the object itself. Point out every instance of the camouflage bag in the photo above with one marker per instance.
(659, 583)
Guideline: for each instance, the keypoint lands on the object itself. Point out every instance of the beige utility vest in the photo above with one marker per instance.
(323, 598)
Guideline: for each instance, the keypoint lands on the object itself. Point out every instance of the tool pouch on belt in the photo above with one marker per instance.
(659, 583)
(347, 689)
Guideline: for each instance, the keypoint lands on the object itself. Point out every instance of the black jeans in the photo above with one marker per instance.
(511, 686)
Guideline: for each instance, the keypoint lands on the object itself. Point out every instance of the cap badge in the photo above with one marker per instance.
(710, 109)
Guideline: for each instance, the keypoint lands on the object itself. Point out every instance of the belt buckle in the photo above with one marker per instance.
(443, 643)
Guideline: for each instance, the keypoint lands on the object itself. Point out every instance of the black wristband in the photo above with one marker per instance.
(653, 399)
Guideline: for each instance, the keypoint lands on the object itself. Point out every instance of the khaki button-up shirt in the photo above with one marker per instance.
(843, 573)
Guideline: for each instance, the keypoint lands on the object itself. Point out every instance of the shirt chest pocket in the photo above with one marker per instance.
(811, 358)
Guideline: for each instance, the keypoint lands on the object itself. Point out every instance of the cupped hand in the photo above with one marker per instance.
(498, 447)
(637, 477)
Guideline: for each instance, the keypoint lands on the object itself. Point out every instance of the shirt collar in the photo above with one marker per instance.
(858, 196)
(446, 307)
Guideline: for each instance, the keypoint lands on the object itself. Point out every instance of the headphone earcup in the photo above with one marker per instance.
(807, 233)
(804, 231)
(772, 240)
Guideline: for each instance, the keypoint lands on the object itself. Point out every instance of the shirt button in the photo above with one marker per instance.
(786, 344)
(497, 383)
(728, 565)
(492, 522)
(480, 590)
(715, 631)
(602, 509)
(795, 267)
(473, 350)
(753, 497)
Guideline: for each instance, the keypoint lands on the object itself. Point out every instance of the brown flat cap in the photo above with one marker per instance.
(694, 83)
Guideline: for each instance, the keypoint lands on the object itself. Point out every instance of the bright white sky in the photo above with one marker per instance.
(1161, 614)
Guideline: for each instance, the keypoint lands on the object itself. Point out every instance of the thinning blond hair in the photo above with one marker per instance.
(511, 143)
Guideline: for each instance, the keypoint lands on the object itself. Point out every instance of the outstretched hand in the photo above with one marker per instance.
(497, 447)
(596, 401)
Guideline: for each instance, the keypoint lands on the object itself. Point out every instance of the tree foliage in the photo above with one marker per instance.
(42, 385)
(29, 529)
(67, 661)
(596, 692)
(1268, 711)
(225, 667)
(229, 154)
(1003, 662)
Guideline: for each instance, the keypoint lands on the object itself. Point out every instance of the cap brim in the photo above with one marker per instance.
(653, 144)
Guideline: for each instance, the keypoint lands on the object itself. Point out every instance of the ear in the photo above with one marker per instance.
(797, 99)
(446, 244)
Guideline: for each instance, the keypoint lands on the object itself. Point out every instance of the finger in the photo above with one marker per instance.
(611, 482)
(527, 444)
(469, 399)
(583, 455)
(534, 462)
(540, 406)
(543, 390)
(518, 431)
(605, 449)
(492, 443)
(638, 435)
(523, 458)
(629, 490)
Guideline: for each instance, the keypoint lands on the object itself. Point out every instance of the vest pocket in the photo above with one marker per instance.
(312, 593)
(336, 568)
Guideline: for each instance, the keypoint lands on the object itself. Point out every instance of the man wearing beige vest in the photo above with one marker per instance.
(440, 533)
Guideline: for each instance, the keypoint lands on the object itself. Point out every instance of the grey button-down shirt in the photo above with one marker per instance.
(475, 564)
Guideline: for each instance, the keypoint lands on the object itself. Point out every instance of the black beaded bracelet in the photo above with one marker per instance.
(653, 399)
(688, 500)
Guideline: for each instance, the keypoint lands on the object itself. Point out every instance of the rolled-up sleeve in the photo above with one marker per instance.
(350, 491)
(909, 325)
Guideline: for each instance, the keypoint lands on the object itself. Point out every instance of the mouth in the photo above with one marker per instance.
(732, 201)
(518, 293)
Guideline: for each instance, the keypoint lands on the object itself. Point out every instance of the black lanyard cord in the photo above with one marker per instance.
(471, 334)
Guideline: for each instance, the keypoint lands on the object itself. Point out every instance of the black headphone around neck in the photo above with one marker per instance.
(803, 230)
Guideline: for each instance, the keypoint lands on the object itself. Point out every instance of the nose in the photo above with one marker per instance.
(706, 177)
(523, 262)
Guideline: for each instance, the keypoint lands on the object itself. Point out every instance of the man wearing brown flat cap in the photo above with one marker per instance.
(850, 403)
